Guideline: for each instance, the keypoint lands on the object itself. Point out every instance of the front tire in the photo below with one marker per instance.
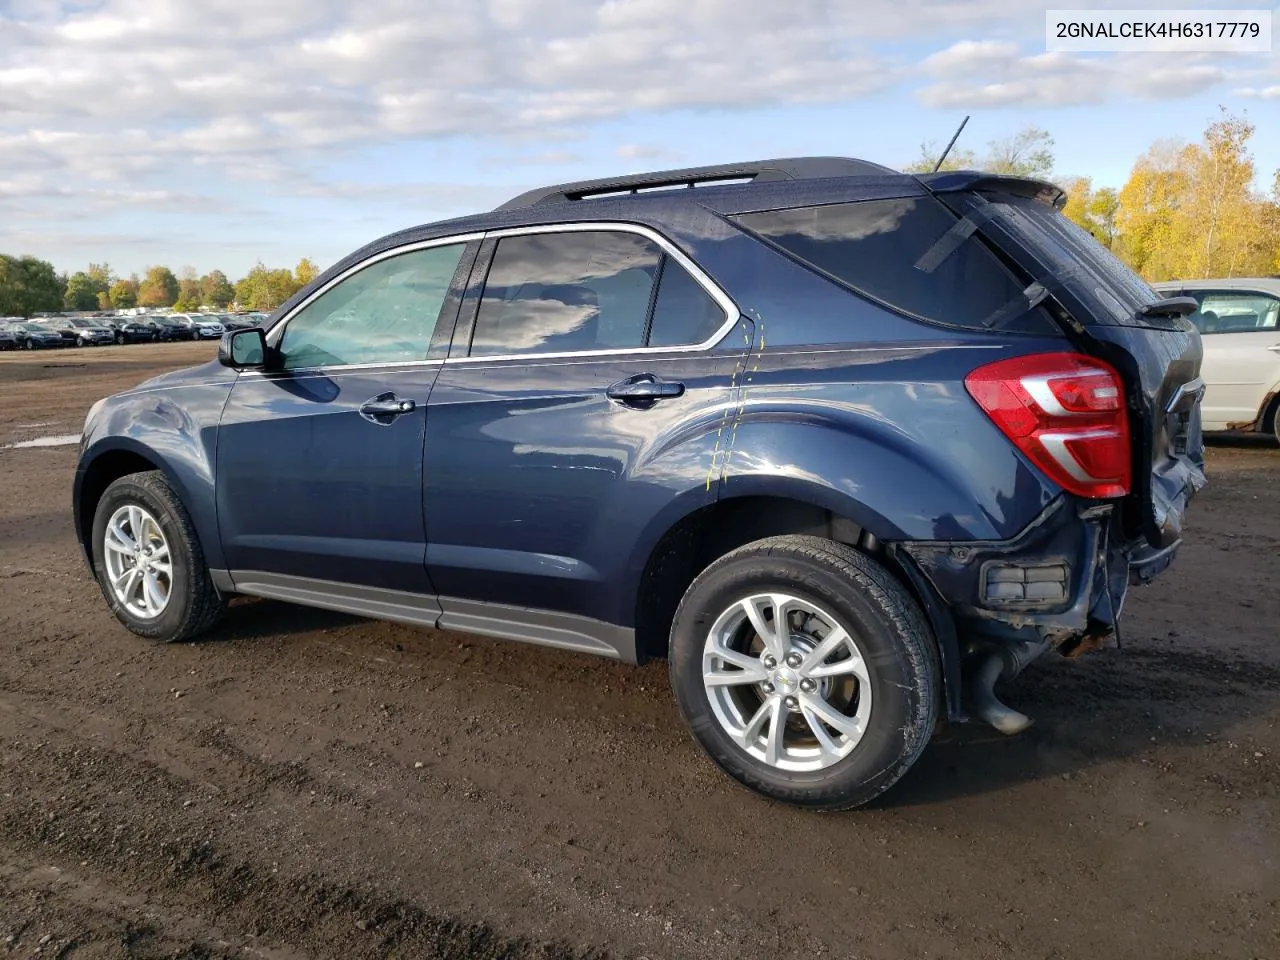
(148, 561)
(831, 710)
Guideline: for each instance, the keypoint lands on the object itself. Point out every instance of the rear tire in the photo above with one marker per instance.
(840, 727)
(167, 594)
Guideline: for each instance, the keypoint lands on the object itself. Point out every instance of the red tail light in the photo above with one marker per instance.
(1066, 412)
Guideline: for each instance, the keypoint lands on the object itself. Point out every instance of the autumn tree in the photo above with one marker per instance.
(100, 280)
(265, 289)
(1104, 207)
(305, 272)
(124, 293)
(215, 290)
(1079, 191)
(159, 288)
(1148, 212)
(1191, 211)
(189, 295)
(1273, 225)
(1095, 210)
(1220, 219)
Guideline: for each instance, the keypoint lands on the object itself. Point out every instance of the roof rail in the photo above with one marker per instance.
(755, 171)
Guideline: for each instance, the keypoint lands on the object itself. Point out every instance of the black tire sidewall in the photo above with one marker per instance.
(126, 491)
(899, 705)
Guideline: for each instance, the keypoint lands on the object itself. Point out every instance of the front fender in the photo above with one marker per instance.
(176, 430)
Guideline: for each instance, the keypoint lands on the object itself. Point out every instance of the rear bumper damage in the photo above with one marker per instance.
(1059, 585)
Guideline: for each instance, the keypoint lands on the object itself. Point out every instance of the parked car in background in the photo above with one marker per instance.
(173, 328)
(1239, 319)
(207, 326)
(37, 336)
(138, 330)
(8, 339)
(66, 329)
(92, 332)
(201, 326)
(242, 321)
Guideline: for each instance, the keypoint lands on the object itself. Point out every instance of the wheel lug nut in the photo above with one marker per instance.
(808, 686)
(769, 662)
(767, 687)
(794, 660)
(791, 703)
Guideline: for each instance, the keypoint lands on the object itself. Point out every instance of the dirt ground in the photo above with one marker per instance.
(306, 784)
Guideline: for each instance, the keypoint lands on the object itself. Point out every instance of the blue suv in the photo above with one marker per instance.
(845, 446)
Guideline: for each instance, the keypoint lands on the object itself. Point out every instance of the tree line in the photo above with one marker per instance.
(1187, 211)
(29, 286)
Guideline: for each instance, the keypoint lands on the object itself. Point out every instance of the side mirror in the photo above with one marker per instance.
(243, 349)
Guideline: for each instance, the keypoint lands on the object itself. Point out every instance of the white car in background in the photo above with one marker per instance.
(202, 327)
(1240, 323)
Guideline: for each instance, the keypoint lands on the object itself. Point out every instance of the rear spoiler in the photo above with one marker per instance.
(954, 181)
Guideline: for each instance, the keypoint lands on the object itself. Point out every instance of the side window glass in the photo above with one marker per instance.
(1235, 312)
(566, 292)
(684, 312)
(385, 313)
(889, 250)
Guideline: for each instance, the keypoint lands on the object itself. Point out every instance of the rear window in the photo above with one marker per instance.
(907, 253)
(1074, 258)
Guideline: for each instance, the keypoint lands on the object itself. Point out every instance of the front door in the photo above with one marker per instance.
(319, 458)
(580, 400)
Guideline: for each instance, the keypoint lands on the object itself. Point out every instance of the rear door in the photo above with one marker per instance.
(1098, 299)
(1241, 353)
(582, 354)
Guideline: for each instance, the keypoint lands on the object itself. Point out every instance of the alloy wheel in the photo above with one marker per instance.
(138, 562)
(787, 682)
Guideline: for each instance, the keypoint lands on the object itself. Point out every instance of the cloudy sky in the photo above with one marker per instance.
(217, 132)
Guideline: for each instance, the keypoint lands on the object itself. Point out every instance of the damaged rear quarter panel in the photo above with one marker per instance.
(885, 435)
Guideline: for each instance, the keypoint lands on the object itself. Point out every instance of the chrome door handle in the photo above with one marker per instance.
(385, 407)
(644, 390)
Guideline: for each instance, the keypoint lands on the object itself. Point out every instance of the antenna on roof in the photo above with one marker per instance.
(938, 165)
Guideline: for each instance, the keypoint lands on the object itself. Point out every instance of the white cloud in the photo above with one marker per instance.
(231, 82)
(972, 75)
(1256, 93)
(968, 55)
(110, 105)
(642, 151)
